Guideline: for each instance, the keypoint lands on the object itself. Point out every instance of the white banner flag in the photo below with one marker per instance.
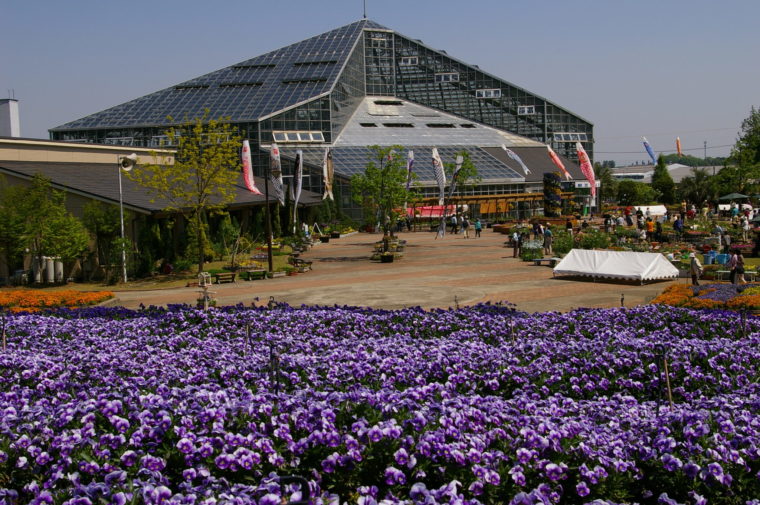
(440, 175)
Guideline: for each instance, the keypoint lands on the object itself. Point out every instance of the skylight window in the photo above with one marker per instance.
(447, 77)
(488, 93)
(298, 136)
(398, 125)
(440, 125)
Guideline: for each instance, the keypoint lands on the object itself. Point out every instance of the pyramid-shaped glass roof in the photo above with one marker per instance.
(245, 91)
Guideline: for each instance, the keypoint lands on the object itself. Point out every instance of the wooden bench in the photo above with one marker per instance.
(551, 262)
(298, 262)
(224, 277)
(250, 275)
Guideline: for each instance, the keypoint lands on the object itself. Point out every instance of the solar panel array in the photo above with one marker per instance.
(245, 91)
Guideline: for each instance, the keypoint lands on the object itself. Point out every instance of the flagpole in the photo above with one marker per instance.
(268, 216)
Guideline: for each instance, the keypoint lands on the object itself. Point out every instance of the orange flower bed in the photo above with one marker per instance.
(675, 296)
(681, 295)
(30, 300)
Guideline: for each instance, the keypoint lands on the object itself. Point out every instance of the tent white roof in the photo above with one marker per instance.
(655, 210)
(627, 265)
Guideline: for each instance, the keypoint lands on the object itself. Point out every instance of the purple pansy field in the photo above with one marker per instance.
(479, 405)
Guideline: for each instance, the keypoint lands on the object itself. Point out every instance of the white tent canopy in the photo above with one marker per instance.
(628, 265)
(654, 210)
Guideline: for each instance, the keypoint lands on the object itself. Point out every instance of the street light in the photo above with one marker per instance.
(125, 163)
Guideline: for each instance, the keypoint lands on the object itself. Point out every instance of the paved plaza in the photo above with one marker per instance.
(432, 274)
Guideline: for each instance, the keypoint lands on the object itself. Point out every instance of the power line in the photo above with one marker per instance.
(666, 133)
(644, 152)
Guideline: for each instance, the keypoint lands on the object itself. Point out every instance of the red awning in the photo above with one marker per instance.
(429, 211)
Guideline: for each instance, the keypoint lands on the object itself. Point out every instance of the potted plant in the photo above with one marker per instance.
(386, 257)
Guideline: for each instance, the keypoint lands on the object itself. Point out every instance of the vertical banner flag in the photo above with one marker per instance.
(515, 157)
(409, 168)
(275, 174)
(440, 175)
(250, 183)
(297, 182)
(558, 162)
(649, 150)
(678, 147)
(327, 174)
(586, 167)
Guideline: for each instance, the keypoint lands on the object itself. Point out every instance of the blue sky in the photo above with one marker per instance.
(660, 69)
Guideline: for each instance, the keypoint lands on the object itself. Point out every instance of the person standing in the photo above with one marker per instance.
(678, 226)
(695, 267)
(516, 243)
(739, 269)
(745, 229)
(466, 227)
(478, 227)
(727, 242)
(453, 224)
(731, 266)
(548, 237)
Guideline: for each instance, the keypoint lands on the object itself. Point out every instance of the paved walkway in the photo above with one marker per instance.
(433, 274)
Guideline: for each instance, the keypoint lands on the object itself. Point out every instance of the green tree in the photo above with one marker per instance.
(381, 188)
(38, 218)
(466, 177)
(743, 166)
(607, 184)
(635, 193)
(200, 178)
(104, 224)
(698, 188)
(663, 183)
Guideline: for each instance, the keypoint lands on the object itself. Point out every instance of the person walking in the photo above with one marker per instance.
(466, 227)
(453, 224)
(478, 228)
(548, 237)
(695, 267)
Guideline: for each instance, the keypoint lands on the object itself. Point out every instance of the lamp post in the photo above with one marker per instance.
(125, 163)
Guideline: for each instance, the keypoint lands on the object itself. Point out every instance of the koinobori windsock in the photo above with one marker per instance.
(250, 183)
(678, 147)
(327, 174)
(586, 168)
(558, 162)
(275, 174)
(409, 169)
(440, 175)
(298, 181)
(649, 150)
(513, 155)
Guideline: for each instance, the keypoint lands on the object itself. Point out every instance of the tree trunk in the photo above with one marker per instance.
(201, 241)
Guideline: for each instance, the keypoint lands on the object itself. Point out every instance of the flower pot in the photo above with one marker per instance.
(335, 234)
(386, 258)
(324, 239)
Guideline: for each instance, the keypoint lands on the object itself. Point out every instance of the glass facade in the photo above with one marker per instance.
(441, 82)
(307, 92)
